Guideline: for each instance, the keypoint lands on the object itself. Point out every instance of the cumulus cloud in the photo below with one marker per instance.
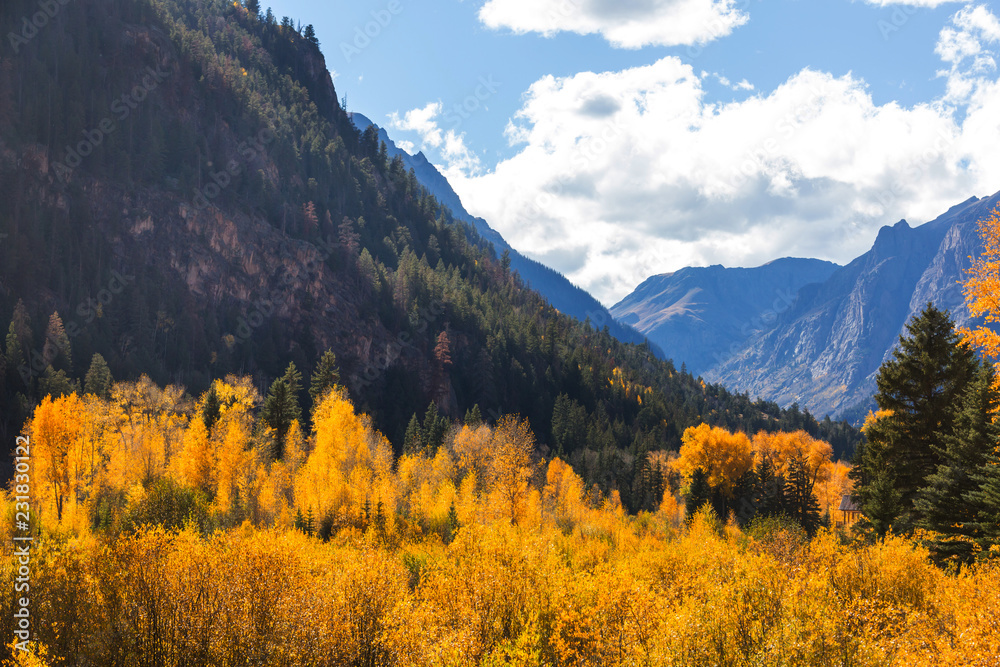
(626, 24)
(968, 47)
(425, 122)
(621, 175)
(422, 121)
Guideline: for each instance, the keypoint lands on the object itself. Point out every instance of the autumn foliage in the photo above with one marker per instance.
(183, 540)
(982, 290)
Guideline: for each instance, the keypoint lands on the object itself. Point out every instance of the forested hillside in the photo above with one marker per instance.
(185, 197)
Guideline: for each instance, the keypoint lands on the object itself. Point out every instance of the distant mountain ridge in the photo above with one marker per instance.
(555, 287)
(823, 349)
(824, 353)
(702, 315)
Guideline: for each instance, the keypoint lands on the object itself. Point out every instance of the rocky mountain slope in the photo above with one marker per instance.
(702, 315)
(825, 350)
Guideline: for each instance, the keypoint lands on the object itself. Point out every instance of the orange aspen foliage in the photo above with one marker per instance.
(671, 510)
(781, 447)
(145, 427)
(833, 486)
(512, 447)
(54, 430)
(982, 290)
(472, 449)
(724, 456)
(348, 458)
(564, 491)
(194, 465)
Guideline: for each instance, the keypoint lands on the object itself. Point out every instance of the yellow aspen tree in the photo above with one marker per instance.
(512, 446)
(724, 456)
(194, 466)
(982, 291)
(781, 447)
(347, 451)
(563, 491)
(55, 428)
(471, 446)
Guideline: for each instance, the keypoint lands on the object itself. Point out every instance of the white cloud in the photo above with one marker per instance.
(725, 81)
(965, 46)
(621, 175)
(422, 121)
(451, 144)
(626, 24)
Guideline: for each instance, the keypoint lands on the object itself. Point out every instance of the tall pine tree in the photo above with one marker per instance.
(918, 392)
(98, 379)
(325, 377)
(942, 504)
(281, 407)
(802, 504)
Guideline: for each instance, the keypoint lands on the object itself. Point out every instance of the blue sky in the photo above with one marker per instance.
(615, 139)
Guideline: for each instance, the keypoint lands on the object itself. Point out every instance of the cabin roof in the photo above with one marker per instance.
(848, 504)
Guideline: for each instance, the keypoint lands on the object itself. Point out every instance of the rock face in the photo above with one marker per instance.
(806, 331)
(702, 316)
(825, 350)
(555, 287)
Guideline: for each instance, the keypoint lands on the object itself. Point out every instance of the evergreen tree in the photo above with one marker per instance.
(942, 505)
(57, 383)
(986, 498)
(473, 417)
(433, 429)
(57, 348)
(453, 524)
(770, 492)
(19, 339)
(875, 490)
(325, 377)
(800, 501)
(310, 522)
(212, 408)
(413, 441)
(918, 390)
(253, 6)
(281, 408)
(310, 35)
(699, 492)
(293, 378)
(98, 379)
(744, 500)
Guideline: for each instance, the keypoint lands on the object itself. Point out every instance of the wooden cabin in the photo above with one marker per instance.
(848, 513)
